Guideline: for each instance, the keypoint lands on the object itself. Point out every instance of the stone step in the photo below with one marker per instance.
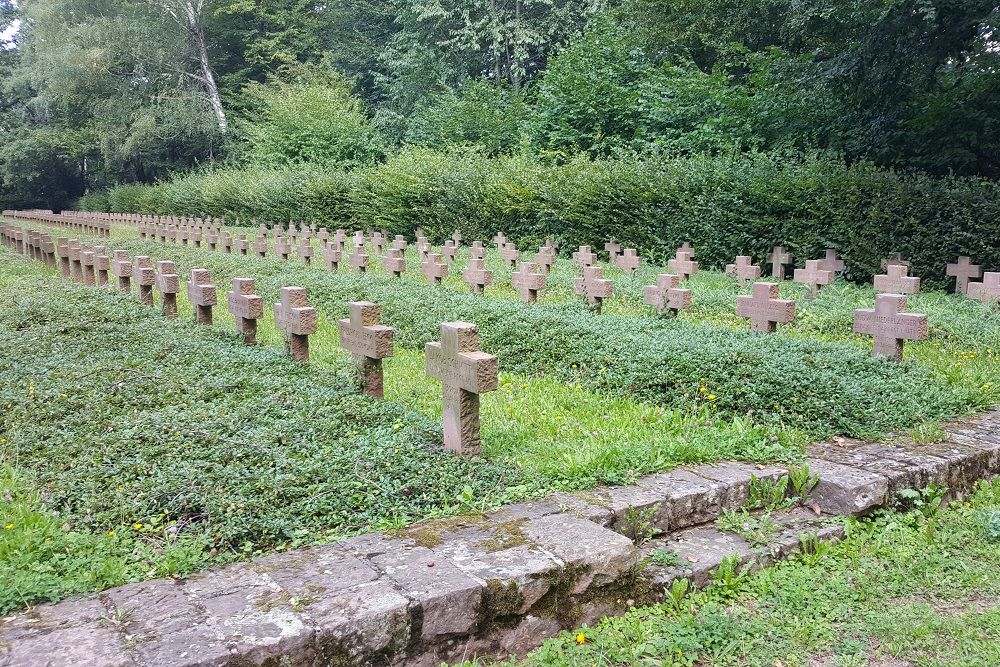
(488, 585)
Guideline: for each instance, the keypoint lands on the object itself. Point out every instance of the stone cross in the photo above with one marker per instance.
(682, 265)
(394, 262)
(369, 342)
(477, 276)
(613, 248)
(779, 258)
(528, 282)
(212, 239)
(510, 254)
(182, 235)
(449, 250)
(282, 247)
(378, 241)
(744, 269)
(399, 243)
(963, 271)
(628, 261)
(465, 372)
(121, 268)
(545, 258)
(332, 255)
(687, 248)
(423, 247)
(196, 236)
(434, 269)
(359, 239)
(260, 245)
(246, 308)
(340, 238)
(294, 316)
(666, 295)
(895, 259)
(76, 267)
(87, 265)
(242, 244)
(987, 291)
(456, 238)
(323, 236)
(358, 259)
(814, 276)
(889, 324)
(477, 251)
(201, 294)
(168, 284)
(831, 262)
(102, 264)
(594, 286)
(764, 308)
(500, 240)
(584, 257)
(305, 251)
(62, 246)
(145, 278)
(896, 281)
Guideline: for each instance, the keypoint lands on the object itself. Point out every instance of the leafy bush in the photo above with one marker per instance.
(315, 119)
(725, 206)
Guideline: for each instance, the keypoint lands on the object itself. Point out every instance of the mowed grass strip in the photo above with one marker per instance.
(818, 379)
(913, 587)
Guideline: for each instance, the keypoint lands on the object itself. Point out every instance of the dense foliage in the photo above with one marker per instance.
(725, 206)
(101, 92)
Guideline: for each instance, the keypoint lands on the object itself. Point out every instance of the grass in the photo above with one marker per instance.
(891, 594)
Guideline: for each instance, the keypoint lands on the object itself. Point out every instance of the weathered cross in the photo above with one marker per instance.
(201, 294)
(168, 284)
(242, 244)
(399, 243)
(212, 239)
(378, 240)
(87, 264)
(368, 341)
(306, 250)
(682, 265)
(423, 247)
(896, 281)
(831, 262)
(764, 308)
(987, 291)
(260, 245)
(294, 316)
(449, 250)
(358, 259)
(477, 276)
(394, 261)
(465, 372)
(510, 254)
(121, 268)
(814, 276)
(477, 251)
(323, 236)
(686, 247)
(500, 240)
(528, 282)
(282, 247)
(332, 256)
(434, 269)
(76, 267)
(584, 257)
(593, 286)
(101, 264)
(890, 325)
(612, 247)
(456, 238)
(744, 269)
(963, 271)
(666, 296)
(196, 236)
(545, 258)
(246, 308)
(628, 261)
(145, 278)
(779, 258)
(62, 246)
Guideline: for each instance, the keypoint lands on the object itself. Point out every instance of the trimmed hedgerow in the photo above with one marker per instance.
(817, 386)
(728, 205)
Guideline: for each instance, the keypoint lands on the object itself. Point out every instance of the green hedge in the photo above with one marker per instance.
(725, 206)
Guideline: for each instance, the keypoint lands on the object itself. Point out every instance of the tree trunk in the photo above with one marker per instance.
(197, 32)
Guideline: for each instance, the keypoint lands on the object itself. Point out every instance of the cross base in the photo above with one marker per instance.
(370, 375)
(170, 305)
(146, 294)
(461, 421)
(202, 314)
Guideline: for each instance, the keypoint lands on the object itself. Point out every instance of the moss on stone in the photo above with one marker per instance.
(506, 535)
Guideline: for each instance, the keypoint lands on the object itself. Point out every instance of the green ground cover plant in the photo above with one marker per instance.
(891, 593)
(819, 379)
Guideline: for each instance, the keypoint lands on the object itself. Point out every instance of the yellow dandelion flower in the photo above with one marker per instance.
(9, 526)
(137, 526)
(581, 638)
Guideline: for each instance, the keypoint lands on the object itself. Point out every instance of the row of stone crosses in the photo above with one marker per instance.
(888, 322)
